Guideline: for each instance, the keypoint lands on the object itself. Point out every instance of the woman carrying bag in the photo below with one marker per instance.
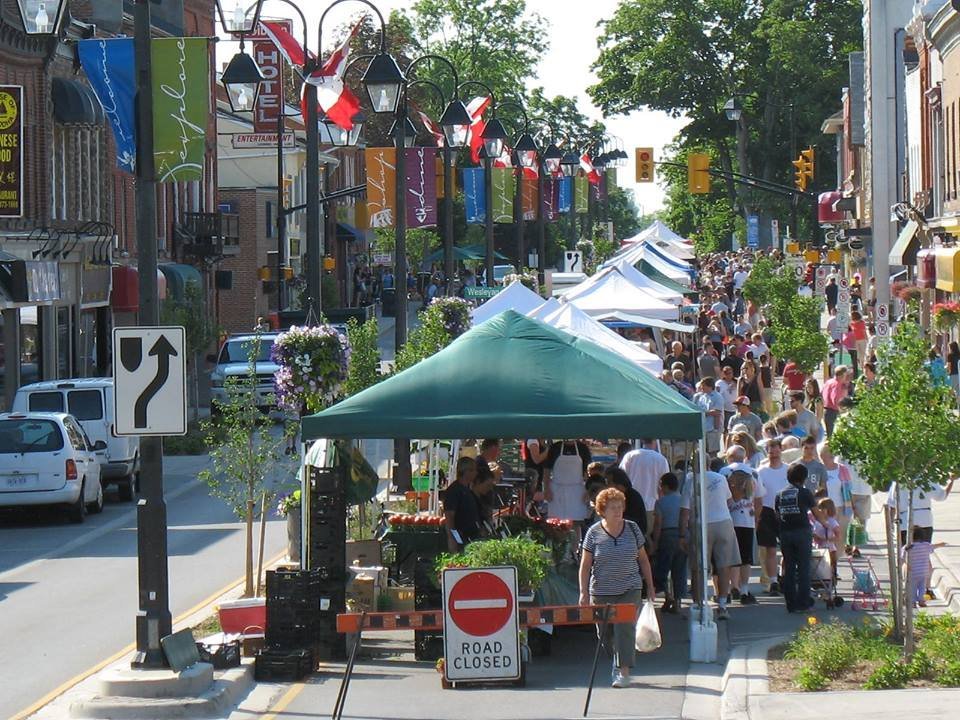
(611, 563)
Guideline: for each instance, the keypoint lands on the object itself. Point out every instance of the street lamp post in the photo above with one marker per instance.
(549, 164)
(569, 164)
(524, 156)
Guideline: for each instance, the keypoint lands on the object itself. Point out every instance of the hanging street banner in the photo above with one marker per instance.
(181, 107)
(549, 199)
(109, 66)
(528, 194)
(504, 190)
(580, 198)
(753, 231)
(474, 196)
(564, 194)
(420, 185)
(270, 98)
(381, 186)
(11, 151)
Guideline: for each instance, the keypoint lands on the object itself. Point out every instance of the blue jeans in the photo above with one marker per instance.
(796, 546)
(670, 560)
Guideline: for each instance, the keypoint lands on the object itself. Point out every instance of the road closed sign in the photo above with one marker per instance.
(481, 631)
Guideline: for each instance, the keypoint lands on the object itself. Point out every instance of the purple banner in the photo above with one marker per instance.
(420, 184)
(550, 190)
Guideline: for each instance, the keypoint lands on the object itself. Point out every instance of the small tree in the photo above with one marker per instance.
(363, 369)
(444, 320)
(243, 453)
(903, 428)
(200, 332)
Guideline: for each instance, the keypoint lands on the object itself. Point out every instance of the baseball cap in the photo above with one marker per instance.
(742, 400)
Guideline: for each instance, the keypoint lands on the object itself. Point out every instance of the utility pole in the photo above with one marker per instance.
(153, 617)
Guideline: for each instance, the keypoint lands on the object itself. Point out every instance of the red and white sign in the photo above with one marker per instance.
(883, 330)
(481, 631)
(883, 312)
(270, 100)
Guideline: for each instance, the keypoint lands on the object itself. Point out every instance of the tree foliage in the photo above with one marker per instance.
(200, 330)
(441, 323)
(364, 368)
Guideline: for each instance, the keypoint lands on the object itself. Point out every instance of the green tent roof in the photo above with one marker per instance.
(651, 272)
(514, 377)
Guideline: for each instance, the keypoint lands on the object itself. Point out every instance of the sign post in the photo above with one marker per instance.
(753, 231)
(481, 629)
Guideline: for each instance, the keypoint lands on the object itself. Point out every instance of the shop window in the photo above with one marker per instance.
(76, 173)
(64, 344)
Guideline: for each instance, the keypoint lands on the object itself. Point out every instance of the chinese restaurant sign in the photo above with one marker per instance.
(11, 151)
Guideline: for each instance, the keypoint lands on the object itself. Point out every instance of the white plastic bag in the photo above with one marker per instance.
(648, 629)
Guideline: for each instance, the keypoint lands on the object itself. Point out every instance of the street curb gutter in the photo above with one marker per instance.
(746, 676)
(946, 584)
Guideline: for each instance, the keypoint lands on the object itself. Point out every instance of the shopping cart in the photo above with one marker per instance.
(822, 578)
(867, 590)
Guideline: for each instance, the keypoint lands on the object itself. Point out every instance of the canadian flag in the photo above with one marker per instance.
(288, 45)
(593, 175)
(335, 98)
(506, 158)
(476, 108)
(431, 126)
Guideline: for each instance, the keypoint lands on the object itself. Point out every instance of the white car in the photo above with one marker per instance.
(47, 459)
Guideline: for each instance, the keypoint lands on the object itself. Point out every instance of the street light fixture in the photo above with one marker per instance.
(455, 123)
(384, 83)
(569, 163)
(526, 150)
(733, 109)
(241, 79)
(493, 136)
(408, 130)
(551, 158)
(239, 20)
(41, 17)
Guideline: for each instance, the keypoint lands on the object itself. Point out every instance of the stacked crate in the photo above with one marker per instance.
(427, 645)
(293, 625)
(327, 553)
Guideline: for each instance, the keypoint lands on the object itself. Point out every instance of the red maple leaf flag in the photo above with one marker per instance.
(476, 108)
(430, 125)
(288, 45)
(593, 175)
(333, 96)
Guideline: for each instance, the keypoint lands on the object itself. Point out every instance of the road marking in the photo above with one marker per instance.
(288, 697)
(77, 679)
(479, 604)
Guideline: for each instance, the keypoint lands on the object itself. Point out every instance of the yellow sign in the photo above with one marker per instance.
(8, 110)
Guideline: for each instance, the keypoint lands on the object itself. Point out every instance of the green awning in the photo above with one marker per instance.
(651, 272)
(514, 377)
(178, 276)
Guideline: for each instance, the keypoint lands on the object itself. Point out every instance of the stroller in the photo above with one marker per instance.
(867, 590)
(822, 578)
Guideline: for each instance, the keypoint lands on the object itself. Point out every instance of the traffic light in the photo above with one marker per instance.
(644, 165)
(698, 173)
(803, 169)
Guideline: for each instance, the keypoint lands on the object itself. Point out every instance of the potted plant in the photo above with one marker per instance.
(289, 507)
(946, 316)
(313, 365)
(530, 558)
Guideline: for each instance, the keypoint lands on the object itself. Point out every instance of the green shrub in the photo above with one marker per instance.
(193, 443)
(810, 680)
(889, 675)
(531, 559)
(825, 649)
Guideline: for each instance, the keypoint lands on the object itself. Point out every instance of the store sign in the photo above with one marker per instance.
(481, 631)
(240, 141)
(269, 103)
(480, 293)
(11, 151)
(31, 281)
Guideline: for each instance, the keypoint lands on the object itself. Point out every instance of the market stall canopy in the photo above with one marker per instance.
(568, 317)
(666, 239)
(515, 296)
(651, 286)
(459, 253)
(641, 257)
(622, 319)
(651, 247)
(609, 290)
(514, 377)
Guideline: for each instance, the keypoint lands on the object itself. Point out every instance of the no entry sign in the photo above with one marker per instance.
(480, 625)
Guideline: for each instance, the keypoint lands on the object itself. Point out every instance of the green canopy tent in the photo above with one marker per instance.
(459, 253)
(512, 377)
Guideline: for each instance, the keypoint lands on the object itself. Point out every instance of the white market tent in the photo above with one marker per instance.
(653, 248)
(569, 318)
(609, 290)
(637, 253)
(515, 296)
(651, 286)
(666, 239)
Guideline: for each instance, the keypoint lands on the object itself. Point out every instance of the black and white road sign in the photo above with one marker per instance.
(149, 380)
(572, 261)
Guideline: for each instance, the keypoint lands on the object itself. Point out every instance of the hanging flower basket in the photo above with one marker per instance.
(946, 316)
(313, 365)
(455, 313)
(529, 280)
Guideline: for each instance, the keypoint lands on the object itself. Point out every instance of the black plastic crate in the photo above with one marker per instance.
(331, 646)
(292, 583)
(328, 532)
(327, 504)
(329, 557)
(327, 480)
(274, 665)
(427, 645)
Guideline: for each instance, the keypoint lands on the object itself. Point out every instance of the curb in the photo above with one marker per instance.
(946, 583)
(745, 676)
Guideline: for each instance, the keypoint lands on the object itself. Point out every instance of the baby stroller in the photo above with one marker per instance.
(867, 590)
(822, 578)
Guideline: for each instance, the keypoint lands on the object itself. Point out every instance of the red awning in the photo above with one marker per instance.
(126, 288)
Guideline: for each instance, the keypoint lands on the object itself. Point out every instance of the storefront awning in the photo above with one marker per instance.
(948, 269)
(74, 103)
(125, 292)
(904, 251)
(178, 277)
(349, 233)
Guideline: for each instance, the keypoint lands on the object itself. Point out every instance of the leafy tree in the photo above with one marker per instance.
(621, 209)
(243, 453)
(904, 404)
(200, 331)
(364, 368)
(441, 323)
(420, 242)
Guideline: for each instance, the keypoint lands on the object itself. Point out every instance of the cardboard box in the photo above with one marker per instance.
(400, 599)
(364, 552)
(363, 593)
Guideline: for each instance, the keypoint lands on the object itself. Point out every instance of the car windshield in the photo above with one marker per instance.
(235, 351)
(29, 436)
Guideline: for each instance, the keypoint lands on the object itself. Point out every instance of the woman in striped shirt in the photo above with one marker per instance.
(612, 559)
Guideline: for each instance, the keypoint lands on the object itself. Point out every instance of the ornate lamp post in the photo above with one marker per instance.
(41, 17)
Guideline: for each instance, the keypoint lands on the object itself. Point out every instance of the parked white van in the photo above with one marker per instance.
(90, 401)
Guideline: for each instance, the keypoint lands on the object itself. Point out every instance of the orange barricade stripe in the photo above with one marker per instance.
(529, 617)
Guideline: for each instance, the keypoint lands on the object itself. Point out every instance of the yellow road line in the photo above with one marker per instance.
(288, 697)
(75, 680)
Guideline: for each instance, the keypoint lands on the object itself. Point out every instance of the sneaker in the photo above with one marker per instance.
(734, 593)
(774, 589)
(748, 599)
(619, 681)
(922, 603)
(722, 613)
(931, 595)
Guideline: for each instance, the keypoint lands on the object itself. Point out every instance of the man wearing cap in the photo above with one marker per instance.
(746, 418)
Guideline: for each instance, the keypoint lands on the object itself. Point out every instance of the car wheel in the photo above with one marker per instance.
(78, 511)
(125, 487)
(97, 505)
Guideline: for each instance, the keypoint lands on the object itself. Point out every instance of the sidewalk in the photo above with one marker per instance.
(746, 693)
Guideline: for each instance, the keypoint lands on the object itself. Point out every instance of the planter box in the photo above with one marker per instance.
(247, 616)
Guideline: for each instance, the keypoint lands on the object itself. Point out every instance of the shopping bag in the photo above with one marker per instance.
(648, 629)
(856, 533)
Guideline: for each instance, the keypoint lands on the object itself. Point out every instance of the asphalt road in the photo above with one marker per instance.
(68, 593)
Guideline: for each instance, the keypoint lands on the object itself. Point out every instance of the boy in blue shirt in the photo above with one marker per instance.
(669, 559)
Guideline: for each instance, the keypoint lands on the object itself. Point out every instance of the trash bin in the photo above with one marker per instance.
(388, 301)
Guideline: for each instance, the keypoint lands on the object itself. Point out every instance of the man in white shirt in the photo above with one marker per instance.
(722, 549)
(758, 347)
(922, 510)
(739, 278)
(727, 387)
(711, 402)
(645, 467)
(773, 477)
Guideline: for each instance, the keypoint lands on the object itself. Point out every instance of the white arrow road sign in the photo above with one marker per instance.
(149, 381)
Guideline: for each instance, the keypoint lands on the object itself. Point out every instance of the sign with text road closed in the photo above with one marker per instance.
(149, 374)
(481, 630)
